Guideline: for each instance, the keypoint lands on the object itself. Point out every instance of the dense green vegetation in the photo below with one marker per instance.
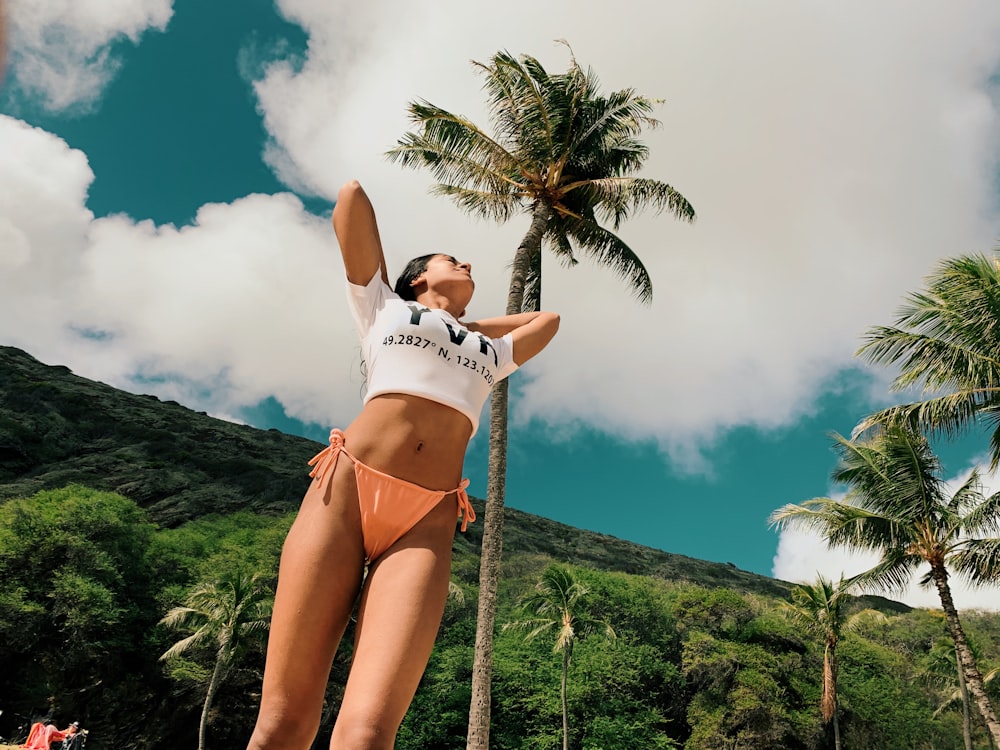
(703, 658)
(84, 579)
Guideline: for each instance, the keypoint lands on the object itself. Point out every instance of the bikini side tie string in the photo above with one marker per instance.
(465, 511)
(325, 461)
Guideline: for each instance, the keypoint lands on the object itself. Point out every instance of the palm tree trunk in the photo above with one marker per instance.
(489, 573)
(963, 691)
(213, 686)
(565, 706)
(830, 690)
(478, 737)
(966, 661)
(828, 702)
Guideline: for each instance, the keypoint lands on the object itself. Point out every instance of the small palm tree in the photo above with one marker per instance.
(947, 341)
(897, 506)
(820, 607)
(566, 155)
(942, 668)
(228, 614)
(556, 605)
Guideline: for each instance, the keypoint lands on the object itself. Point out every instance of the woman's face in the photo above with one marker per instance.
(444, 271)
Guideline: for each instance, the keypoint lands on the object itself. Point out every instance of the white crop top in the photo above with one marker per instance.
(421, 351)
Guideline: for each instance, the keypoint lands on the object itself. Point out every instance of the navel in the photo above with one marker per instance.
(420, 446)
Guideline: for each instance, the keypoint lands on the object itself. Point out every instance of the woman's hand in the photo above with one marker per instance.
(531, 332)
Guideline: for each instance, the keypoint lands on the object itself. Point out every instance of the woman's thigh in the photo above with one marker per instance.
(398, 620)
(318, 582)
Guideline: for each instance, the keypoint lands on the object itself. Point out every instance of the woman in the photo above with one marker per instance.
(386, 494)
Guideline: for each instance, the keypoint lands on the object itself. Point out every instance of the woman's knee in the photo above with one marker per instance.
(359, 731)
(283, 731)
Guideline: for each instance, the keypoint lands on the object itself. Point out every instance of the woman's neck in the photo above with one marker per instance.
(437, 301)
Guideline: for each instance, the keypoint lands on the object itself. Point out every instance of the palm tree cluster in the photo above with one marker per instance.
(898, 504)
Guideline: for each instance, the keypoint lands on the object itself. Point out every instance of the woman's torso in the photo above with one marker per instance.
(411, 438)
(425, 352)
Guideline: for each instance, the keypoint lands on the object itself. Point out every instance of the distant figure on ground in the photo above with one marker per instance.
(43, 734)
(75, 737)
(385, 494)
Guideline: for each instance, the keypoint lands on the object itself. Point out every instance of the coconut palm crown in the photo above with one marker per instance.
(946, 341)
(559, 150)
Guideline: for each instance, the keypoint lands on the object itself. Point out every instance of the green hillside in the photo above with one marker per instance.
(114, 506)
(57, 428)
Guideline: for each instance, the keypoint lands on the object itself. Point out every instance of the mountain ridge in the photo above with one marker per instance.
(58, 428)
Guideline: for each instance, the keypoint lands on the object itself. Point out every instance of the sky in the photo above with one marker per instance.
(168, 168)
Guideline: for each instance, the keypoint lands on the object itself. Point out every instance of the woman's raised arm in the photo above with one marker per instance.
(357, 233)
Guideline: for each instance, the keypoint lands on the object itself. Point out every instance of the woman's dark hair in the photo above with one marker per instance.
(413, 269)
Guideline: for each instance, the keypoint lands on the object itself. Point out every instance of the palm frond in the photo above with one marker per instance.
(623, 113)
(184, 644)
(984, 517)
(531, 628)
(894, 473)
(978, 561)
(949, 415)
(608, 250)
(519, 110)
(928, 362)
(968, 496)
(616, 198)
(843, 524)
(892, 572)
(946, 338)
(457, 151)
(486, 203)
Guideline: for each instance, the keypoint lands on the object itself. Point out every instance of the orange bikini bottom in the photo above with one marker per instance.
(389, 506)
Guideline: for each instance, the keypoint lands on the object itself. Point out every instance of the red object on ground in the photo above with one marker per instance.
(42, 736)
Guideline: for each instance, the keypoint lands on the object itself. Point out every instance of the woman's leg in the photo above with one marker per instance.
(318, 583)
(398, 621)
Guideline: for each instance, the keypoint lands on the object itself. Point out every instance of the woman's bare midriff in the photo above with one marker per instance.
(411, 438)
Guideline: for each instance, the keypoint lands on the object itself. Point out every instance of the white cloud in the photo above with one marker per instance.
(238, 303)
(245, 302)
(802, 555)
(832, 164)
(43, 225)
(61, 50)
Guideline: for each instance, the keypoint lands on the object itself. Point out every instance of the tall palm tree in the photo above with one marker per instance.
(946, 339)
(556, 605)
(227, 613)
(821, 606)
(897, 505)
(566, 155)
